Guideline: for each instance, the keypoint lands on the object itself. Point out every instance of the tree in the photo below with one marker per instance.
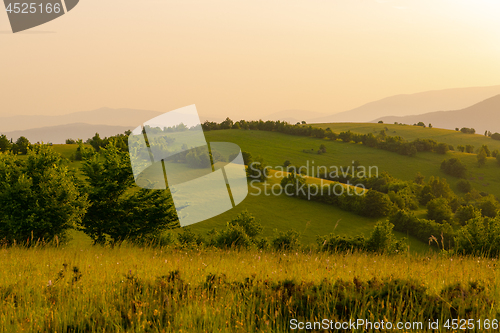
(70, 142)
(454, 167)
(248, 222)
(116, 213)
(482, 157)
(439, 210)
(21, 146)
(465, 213)
(442, 148)
(5, 144)
(322, 148)
(257, 170)
(469, 149)
(377, 204)
(38, 195)
(495, 136)
(461, 148)
(464, 186)
(489, 206)
(419, 179)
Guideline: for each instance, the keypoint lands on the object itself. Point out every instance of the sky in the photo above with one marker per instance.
(246, 58)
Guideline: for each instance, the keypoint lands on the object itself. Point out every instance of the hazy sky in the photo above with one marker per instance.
(246, 57)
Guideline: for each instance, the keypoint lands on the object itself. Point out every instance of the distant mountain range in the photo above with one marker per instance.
(102, 116)
(59, 134)
(483, 116)
(412, 104)
(294, 116)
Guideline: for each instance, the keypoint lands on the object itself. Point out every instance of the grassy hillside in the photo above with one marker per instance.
(275, 148)
(411, 133)
(312, 218)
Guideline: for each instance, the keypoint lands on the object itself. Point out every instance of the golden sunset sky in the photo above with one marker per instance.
(246, 57)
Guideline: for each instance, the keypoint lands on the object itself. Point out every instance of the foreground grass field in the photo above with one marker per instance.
(127, 289)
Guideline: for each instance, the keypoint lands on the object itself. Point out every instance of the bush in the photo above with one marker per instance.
(248, 222)
(464, 186)
(188, 238)
(286, 241)
(382, 239)
(377, 204)
(439, 210)
(334, 243)
(465, 213)
(233, 236)
(442, 148)
(480, 237)
(38, 195)
(454, 167)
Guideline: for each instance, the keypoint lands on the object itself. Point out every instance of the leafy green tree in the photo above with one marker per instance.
(38, 195)
(257, 170)
(469, 149)
(117, 213)
(454, 167)
(461, 148)
(436, 188)
(382, 239)
(377, 204)
(21, 146)
(439, 210)
(246, 220)
(465, 213)
(489, 206)
(480, 237)
(442, 148)
(419, 179)
(5, 144)
(464, 186)
(482, 157)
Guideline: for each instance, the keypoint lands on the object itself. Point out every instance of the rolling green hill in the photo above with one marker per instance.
(313, 218)
(275, 148)
(411, 133)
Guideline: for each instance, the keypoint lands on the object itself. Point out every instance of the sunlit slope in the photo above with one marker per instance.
(276, 148)
(410, 133)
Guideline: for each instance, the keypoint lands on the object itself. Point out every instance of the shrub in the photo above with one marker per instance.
(454, 167)
(188, 238)
(442, 148)
(335, 243)
(233, 236)
(377, 204)
(382, 239)
(286, 240)
(480, 236)
(248, 222)
(464, 186)
(465, 213)
(439, 210)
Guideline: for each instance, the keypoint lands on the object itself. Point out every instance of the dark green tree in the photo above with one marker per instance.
(117, 212)
(21, 146)
(38, 195)
(439, 210)
(5, 144)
